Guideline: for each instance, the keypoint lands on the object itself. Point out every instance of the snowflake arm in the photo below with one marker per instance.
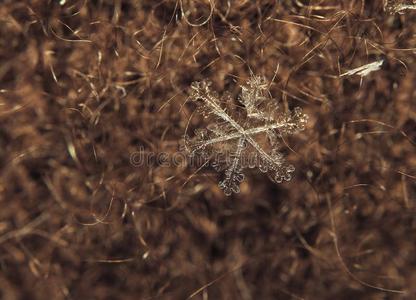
(234, 175)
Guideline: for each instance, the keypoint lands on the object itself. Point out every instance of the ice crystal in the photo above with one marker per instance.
(399, 6)
(233, 141)
(365, 69)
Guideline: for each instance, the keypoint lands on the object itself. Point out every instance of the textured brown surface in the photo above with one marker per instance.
(85, 84)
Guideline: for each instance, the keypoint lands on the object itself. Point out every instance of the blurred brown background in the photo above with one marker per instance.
(84, 84)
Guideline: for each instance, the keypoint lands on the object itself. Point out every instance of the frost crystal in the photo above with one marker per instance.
(365, 70)
(234, 140)
(399, 6)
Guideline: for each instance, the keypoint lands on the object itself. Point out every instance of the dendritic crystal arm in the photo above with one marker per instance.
(234, 175)
(288, 125)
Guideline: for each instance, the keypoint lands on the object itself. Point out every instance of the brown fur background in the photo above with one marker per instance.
(85, 84)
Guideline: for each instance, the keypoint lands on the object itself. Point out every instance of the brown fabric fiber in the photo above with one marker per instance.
(99, 200)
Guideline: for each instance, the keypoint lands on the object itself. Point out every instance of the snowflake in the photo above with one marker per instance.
(236, 139)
